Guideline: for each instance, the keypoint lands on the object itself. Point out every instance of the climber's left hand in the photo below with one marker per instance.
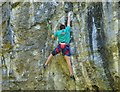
(53, 36)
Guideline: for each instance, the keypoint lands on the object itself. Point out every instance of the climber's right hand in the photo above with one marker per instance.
(69, 14)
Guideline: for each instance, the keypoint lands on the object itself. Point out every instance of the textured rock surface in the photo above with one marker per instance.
(26, 44)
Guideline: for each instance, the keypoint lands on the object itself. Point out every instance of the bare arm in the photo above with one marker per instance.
(68, 21)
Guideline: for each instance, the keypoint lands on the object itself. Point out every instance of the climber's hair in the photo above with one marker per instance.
(62, 26)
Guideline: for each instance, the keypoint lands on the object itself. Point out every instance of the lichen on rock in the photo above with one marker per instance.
(26, 43)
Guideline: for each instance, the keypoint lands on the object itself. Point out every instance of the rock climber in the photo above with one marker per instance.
(63, 36)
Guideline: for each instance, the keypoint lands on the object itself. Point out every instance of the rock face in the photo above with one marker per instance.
(26, 43)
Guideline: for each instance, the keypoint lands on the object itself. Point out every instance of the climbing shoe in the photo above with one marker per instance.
(72, 77)
(45, 66)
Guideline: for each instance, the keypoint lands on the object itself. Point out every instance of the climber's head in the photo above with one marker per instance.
(62, 26)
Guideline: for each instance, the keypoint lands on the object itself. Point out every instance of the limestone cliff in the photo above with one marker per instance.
(26, 42)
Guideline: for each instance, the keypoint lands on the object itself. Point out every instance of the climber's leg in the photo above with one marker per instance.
(48, 60)
(67, 54)
(54, 52)
(67, 58)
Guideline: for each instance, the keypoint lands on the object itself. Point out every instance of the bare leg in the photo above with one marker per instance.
(67, 58)
(48, 60)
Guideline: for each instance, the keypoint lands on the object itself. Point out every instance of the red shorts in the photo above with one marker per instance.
(65, 49)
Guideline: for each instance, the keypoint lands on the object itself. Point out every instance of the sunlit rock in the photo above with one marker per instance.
(26, 44)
